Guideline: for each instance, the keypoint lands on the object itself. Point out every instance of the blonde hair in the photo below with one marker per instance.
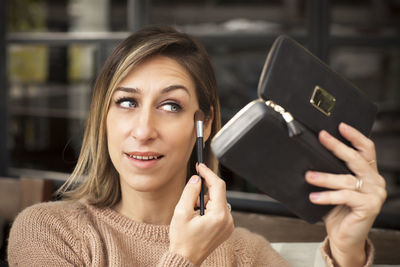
(94, 177)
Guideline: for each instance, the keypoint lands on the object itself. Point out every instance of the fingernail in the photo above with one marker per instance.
(325, 134)
(194, 179)
(344, 126)
(315, 196)
(312, 175)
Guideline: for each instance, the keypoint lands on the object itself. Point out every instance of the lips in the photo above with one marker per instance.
(144, 156)
(144, 160)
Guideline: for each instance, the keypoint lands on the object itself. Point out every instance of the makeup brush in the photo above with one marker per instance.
(199, 120)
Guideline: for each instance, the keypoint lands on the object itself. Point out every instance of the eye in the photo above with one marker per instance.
(171, 107)
(127, 102)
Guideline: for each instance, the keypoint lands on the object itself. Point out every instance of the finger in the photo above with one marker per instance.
(339, 197)
(351, 157)
(335, 181)
(206, 198)
(190, 195)
(363, 144)
(216, 186)
(357, 201)
(373, 164)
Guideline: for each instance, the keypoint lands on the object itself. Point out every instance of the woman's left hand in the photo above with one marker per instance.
(358, 197)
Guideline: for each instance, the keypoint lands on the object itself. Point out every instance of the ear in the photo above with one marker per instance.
(208, 124)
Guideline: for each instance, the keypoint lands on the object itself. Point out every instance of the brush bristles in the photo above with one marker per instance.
(199, 115)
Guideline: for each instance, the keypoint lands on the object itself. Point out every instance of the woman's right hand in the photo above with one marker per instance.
(194, 236)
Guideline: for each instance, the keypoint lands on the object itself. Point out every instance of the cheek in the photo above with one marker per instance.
(183, 137)
(110, 136)
(116, 128)
(115, 132)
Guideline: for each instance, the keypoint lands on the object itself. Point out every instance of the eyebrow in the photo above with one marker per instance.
(163, 91)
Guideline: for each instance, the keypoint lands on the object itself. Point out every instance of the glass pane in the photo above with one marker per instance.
(365, 18)
(231, 16)
(237, 75)
(64, 15)
(373, 70)
(49, 92)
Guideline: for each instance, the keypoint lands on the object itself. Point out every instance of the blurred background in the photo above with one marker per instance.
(51, 51)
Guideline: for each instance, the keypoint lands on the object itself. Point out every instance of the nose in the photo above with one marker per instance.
(144, 126)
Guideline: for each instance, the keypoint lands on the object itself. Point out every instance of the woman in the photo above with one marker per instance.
(134, 205)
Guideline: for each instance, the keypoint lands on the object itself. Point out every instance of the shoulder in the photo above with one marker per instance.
(45, 231)
(49, 213)
(48, 234)
(56, 207)
(63, 220)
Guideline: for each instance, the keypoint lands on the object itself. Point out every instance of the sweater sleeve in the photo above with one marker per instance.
(173, 259)
(327, 256)
(40, 238)
(253, 250)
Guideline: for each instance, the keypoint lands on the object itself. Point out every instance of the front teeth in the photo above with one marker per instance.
(144, 157)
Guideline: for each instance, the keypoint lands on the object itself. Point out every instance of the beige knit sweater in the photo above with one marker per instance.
(71, 233)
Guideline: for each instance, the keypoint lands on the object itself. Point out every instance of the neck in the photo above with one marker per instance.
(149, 207)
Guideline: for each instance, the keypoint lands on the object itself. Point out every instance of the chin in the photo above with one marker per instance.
(146, 183)
(146, 188)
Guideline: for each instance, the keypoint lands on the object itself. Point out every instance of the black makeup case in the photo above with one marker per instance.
(273, 141)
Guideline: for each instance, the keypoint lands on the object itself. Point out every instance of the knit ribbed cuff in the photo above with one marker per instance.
(327, 256)
(173, 259)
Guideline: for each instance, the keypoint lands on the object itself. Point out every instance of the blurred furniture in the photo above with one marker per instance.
(267, 217)
(16, 195)
(388, 218)
(295, 235)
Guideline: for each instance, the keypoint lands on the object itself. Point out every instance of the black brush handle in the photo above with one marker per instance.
(200, 160)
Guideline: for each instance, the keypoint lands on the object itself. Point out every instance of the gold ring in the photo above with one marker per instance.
(359, 185)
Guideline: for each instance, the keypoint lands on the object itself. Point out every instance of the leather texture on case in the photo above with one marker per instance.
(289, 77)
(255, 145)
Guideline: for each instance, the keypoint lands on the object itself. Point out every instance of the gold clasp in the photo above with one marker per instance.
(323, 101)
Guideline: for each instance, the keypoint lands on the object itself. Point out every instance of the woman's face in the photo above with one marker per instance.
(150, 125)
